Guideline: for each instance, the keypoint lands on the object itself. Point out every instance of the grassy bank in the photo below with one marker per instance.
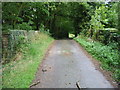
(20, 73)
(107, 54)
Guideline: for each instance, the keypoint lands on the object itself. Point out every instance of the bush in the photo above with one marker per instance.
(24, 26)
(107, 54)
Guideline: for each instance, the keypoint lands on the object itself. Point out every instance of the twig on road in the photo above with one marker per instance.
(34, 83)
(78, 85)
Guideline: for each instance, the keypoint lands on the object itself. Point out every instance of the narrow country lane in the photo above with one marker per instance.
(67, 64)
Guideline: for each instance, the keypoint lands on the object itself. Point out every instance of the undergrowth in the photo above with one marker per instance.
(20, 73)
(107, 54)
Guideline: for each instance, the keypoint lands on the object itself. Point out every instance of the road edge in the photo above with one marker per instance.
(97, 64)
(40, 65)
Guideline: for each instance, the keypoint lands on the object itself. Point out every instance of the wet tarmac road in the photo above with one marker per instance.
(67, 64)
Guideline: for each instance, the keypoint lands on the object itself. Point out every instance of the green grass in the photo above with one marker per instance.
(20, 73)
(106, 54)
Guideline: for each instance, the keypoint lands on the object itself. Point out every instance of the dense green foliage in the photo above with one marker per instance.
(108, 55)
(61, 18)
(19, 74)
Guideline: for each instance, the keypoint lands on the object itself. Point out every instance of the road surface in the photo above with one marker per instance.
(67, 64)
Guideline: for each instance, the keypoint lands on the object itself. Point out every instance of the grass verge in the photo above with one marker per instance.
(20, 73)
(106, 54)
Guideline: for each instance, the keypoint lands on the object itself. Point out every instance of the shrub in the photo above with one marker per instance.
(24, 26)
(107, 54)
